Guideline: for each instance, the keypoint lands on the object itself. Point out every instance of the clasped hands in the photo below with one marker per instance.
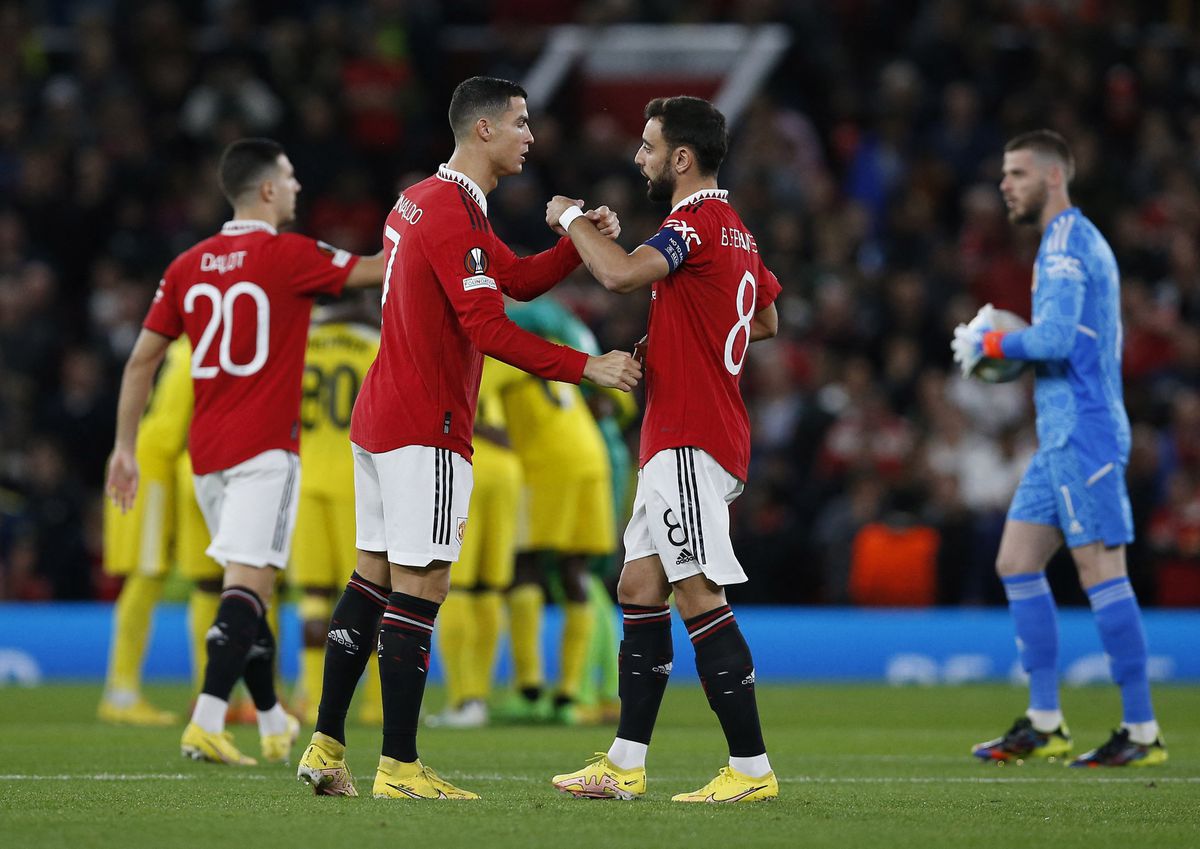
(605, 219)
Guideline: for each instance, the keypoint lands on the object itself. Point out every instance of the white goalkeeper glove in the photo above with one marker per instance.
(967, 344)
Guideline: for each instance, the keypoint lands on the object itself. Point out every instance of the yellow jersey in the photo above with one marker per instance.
(335, 363)
(162, 434)
(551, 427)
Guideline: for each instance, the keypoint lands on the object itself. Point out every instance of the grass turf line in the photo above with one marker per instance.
(859, 766)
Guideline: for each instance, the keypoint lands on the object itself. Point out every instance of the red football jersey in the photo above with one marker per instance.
(442, 310)
(700, 318)
(244, 297)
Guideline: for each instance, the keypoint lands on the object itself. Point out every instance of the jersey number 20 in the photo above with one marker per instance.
(221, 321)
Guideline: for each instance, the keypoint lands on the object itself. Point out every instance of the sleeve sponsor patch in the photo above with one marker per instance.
(478, 281)
(1063, 266)
(337, 256)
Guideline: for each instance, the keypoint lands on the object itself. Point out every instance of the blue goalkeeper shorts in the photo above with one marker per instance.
(1086, 499)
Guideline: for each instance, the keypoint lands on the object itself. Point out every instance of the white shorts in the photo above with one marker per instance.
(250, 509)
(412, 503)
(681, 513)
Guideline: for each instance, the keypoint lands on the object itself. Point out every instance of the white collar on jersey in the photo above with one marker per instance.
(704, 194)
(242, 226)
(445, 172)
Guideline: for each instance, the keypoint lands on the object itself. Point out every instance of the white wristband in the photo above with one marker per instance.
(569, 215)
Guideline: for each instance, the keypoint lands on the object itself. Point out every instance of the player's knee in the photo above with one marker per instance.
(633, 588)
(1008, 565)
(313, 633)
(575, 580)
(209, 585)
(526, 570)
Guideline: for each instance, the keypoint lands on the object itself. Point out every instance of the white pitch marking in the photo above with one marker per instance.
(112, 776)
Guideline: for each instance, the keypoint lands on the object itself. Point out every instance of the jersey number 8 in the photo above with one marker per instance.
(221, 321)
(745, 316)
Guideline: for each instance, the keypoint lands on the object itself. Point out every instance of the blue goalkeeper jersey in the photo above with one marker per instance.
(1075, 341)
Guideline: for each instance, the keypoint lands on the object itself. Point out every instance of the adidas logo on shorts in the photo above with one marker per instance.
(685, 556)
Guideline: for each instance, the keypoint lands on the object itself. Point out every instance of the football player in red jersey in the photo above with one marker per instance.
(244, 297)
(711, 296)
(411, 429)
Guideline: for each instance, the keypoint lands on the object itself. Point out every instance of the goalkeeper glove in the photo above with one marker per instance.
(967, 347)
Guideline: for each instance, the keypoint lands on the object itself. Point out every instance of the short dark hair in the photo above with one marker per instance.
(694, 122)
(1047, 143)
(243, 164)
(480, 97)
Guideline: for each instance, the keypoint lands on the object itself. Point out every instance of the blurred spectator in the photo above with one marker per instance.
(1175, 540)
(52, 555)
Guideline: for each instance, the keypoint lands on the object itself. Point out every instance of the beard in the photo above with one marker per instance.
(662, 187)
(1032, 213)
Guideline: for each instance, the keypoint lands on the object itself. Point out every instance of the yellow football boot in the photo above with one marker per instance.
(602, 779)
(201, 745)
(733, 786)
(323, 766)
(138, 712)
(399, 780)
(277, 748)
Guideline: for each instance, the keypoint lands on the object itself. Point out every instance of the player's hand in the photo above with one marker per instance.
(967, 347)
(554, 210)
(606, 221)
(639, 350)
(121, 484)
(616, 369)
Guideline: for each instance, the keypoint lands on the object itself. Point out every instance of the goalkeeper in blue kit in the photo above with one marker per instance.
(1074, 489)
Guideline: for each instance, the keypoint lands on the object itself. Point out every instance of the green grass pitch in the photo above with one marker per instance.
(859, 766)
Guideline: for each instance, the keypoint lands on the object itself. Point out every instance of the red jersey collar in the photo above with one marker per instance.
(704, 194)
(445, 172)
(242, 226)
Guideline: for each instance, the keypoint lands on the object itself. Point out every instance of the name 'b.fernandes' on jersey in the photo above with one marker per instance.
(244, 297)
(443, 308)
(700, 316)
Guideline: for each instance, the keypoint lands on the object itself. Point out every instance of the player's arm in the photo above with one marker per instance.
(136, 382)
(526, 277)
(1055, 321)
(477, 301)
(765, 324)
(368, 271)
(607, 261)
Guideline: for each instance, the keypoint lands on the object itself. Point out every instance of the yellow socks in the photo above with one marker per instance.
(455, 634)
(131, 631)
(525, 603)
(314, 610)
(576, 636)
(202, 612)
(487, 607)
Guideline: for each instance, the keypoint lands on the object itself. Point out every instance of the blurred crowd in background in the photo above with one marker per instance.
(867, 168)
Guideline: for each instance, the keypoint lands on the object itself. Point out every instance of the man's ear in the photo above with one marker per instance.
(682, 160)
(266, 190)
(483, 129)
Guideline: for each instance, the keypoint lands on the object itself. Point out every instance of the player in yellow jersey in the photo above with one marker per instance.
(568, 518)
(471, 617)
(342, 344)
(164, 527)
